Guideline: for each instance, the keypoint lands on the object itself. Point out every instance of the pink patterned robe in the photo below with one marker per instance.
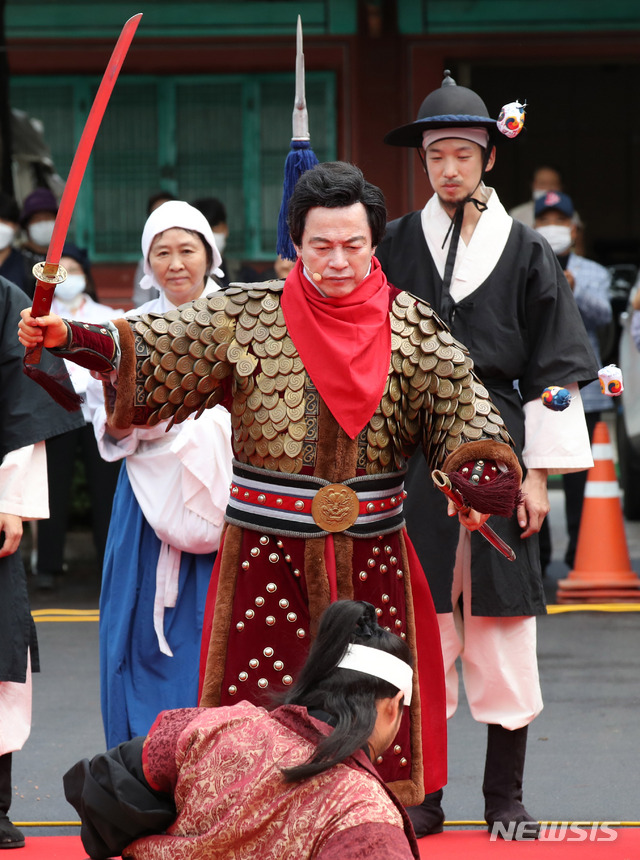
(223, 766)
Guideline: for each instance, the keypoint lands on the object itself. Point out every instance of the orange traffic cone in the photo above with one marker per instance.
(602, 568)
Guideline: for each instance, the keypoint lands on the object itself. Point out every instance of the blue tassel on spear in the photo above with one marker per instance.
(300, 158)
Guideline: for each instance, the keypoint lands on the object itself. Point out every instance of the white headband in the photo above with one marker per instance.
(380, 664)
(475, 135)
(176, 213)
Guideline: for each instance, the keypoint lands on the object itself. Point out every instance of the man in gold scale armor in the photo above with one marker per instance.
(333, 378)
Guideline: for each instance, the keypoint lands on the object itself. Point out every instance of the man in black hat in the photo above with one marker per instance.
(499, 287)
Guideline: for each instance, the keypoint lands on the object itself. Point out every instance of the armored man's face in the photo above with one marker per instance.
(336, 248)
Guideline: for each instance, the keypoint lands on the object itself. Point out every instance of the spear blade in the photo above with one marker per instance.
(300, 121)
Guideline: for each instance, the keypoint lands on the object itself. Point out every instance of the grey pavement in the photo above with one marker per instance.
(582, 762)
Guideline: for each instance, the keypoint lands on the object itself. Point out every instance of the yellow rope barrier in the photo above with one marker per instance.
(47, 823)
(558, 608)
(71, 615)
(40, 615)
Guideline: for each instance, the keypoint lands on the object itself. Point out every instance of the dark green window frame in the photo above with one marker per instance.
(224, 136)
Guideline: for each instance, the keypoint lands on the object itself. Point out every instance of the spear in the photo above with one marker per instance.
(300, 158)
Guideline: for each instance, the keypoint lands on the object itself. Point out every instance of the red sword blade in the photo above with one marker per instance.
(45, 288)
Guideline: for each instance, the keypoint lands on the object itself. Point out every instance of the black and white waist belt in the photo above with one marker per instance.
(306, 506)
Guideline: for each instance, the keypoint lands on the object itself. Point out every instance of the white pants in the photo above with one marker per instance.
(498, 656)
(15, 713)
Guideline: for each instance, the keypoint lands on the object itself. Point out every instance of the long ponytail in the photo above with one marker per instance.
(347, 695)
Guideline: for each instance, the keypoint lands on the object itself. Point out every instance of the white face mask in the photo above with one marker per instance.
(40, 233)
(68, 290)
(221, 241)
(7, 235)
(557, 235)
(538, 193)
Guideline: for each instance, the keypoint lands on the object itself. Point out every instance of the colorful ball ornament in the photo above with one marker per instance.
(611, 380)
(555, 398)
(511, 119)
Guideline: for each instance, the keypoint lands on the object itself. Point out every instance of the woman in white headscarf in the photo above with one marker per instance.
(167, 512)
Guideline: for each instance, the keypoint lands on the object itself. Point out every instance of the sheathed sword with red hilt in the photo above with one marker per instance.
(442, 482)
(50, 273)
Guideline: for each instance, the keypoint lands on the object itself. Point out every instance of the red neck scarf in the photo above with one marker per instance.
(345, 343)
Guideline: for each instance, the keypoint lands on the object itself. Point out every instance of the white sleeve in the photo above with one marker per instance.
(112, 449)
(24, 489)
(556, 441)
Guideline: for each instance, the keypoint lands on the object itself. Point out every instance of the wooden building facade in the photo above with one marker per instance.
(203, 106)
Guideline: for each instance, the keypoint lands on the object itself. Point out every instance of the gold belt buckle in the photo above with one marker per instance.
(335, 508)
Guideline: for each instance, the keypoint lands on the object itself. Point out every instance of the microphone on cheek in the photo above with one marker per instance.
(317, 277)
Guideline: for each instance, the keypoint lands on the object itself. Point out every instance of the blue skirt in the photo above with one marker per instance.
(137, 681)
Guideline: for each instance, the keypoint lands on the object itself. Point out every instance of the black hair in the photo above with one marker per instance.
(155, 198)
(347, 695)
(9, 209)
(335, 184)
(212, 209)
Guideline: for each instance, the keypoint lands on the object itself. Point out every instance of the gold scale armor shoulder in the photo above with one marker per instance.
(184, 355)
(181, 358)
(239, 336)
(432, 394)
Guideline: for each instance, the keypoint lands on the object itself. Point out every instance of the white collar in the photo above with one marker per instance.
(475, 261)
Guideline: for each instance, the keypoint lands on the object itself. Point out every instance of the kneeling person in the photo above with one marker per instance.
(296, 782)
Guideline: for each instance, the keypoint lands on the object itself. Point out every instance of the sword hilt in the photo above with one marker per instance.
(442, 482)
(47, 276)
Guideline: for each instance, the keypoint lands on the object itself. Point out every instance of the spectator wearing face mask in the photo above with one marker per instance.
(555, 219)
(216, 214)
(13, 266)
(37, 218)
(543, 180)
(75, 298)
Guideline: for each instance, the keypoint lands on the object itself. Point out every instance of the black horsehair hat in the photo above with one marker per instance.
(451, 106)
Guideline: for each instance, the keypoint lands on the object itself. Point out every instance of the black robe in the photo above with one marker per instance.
(27, 415)
(521, 324)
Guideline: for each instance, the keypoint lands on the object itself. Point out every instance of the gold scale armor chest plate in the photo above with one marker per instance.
(236, 343)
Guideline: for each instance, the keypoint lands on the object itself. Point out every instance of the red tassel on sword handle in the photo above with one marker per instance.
(442, 482)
